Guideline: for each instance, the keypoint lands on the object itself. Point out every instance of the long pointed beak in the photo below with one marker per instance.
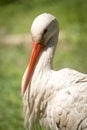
(36, 51)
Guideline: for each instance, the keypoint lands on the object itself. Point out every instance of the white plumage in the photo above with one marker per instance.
(56, 100)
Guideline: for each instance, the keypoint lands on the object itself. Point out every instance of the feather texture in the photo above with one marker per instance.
(56, 100)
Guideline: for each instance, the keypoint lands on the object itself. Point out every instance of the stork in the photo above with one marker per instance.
(56, 100)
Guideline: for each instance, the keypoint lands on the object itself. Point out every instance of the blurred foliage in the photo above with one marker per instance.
(6, 2)
(17, 16)
(12, 65)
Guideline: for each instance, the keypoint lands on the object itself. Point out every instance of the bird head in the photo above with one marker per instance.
(43, 28)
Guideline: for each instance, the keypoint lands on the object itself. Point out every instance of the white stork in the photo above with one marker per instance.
(56, 100)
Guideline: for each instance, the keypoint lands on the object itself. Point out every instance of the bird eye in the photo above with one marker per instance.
(45, 31)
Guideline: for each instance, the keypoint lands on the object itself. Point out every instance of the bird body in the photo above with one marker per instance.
(56, 100)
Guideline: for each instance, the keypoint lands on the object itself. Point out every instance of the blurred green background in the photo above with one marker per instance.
(16, 17)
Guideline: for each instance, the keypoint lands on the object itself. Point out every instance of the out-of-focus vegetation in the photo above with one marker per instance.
(16, 17)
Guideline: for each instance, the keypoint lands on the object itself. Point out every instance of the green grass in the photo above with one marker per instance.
(12, 65)
(72, 55)
(71, 52)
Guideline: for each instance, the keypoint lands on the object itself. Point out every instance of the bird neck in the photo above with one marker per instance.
(43, 67)
(45, 61)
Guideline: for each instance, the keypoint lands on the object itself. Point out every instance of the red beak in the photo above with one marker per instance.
(36, 51)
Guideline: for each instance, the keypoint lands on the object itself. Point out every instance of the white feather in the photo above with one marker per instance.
(55, 99)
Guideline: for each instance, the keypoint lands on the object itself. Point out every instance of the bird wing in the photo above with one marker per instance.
(67, 77)
(68, 107)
